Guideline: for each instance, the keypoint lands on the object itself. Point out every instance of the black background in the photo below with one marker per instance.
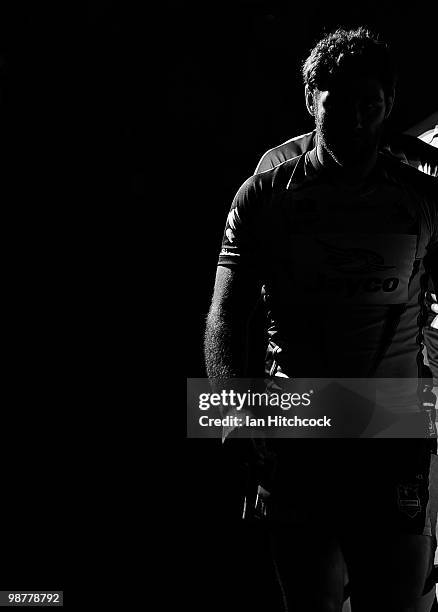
(76, 90)
(34, 525)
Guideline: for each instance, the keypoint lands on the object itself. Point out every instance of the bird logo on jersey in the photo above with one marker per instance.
(232, 225)
(233, 221)
(354, 260)
(230, 244)
(357, 269)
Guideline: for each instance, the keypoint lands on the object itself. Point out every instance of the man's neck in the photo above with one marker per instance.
(345, 175)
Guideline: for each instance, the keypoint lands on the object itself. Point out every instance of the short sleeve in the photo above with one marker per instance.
(241, 244)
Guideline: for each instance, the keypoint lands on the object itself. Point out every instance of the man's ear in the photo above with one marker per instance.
(309, 101)
(389, 103)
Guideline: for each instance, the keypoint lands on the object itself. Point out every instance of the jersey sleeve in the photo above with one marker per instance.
(241, 242)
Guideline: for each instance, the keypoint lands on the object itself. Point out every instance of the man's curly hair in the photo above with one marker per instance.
(345, 54)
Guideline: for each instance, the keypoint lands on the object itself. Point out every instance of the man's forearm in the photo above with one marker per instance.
(225, 358)
(224, 345)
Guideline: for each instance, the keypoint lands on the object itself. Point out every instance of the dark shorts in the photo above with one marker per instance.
(375, 485)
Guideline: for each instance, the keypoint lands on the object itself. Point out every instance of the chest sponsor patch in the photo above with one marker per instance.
(356, 269)
(408, 500)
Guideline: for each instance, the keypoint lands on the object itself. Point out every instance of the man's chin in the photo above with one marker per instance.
(353, 155)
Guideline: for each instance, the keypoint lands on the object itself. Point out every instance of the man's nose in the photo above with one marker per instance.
(354, 117)
(359, 119)
(358, 116)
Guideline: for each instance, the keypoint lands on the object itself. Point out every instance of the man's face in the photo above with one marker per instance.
(349, 119)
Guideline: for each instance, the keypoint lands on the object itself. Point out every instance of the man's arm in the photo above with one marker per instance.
(238, 283)
(235, 293)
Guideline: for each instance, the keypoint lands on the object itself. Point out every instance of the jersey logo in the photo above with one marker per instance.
(230, 235)
(233, 223)
(226, 251)
(362, 269)
(408, 500)
(233, 219)
(354, 260)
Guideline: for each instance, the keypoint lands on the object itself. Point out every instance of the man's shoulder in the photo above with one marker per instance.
(286, 150)
(420, 190)
(295, 145)
(260, 188)
(416, 151)
(409, 175)
(278, 177)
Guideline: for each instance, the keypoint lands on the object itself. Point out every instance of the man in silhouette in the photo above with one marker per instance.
(340, 215)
